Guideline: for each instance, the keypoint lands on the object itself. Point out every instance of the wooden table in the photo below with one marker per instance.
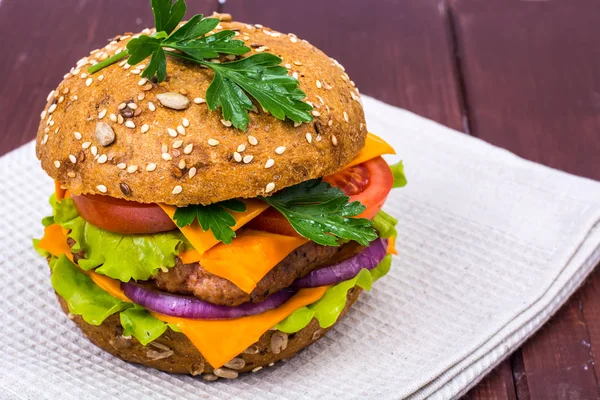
(523, 75)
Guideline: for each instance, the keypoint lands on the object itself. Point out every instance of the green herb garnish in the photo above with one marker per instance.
(320, 212)
(215, 217)
(259, 76)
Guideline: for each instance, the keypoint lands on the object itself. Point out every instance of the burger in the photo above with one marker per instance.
(218, 198)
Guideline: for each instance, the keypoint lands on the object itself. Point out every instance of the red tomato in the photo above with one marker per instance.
(369, 182)
(122, 216)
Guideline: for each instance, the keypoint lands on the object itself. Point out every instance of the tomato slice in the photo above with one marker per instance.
(369, 182)
(122, 216)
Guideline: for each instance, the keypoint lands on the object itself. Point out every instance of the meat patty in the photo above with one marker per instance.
(193, 279)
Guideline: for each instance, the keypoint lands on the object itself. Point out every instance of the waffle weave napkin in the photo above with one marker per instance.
(490, 246)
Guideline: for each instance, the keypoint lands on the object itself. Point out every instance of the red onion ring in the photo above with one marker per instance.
(369, 258)
(194, 308)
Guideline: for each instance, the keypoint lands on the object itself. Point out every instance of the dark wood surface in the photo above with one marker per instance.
(524, 75)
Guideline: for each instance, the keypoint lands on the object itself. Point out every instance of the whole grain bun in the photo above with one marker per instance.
(164, 155)
(173, 352)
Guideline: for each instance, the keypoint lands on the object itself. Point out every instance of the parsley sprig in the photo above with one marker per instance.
(321, 213)
(216, 217)
(259, 76)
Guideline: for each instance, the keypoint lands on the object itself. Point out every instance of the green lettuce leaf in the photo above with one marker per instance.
(82, 295)
(87, 299)
(124, 257)
(137, 321)
(398, 173)
(385, 224)
(39, 250)
(329, 307)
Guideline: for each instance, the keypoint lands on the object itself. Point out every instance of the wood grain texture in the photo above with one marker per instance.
(498, 385)
(42, 40)
(531, 84)
(396, 50)
(591, 311)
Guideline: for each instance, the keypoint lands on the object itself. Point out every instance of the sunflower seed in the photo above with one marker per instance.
(104, 134)
(173, 100)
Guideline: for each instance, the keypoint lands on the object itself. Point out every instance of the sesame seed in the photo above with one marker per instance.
(226, 123)
(145, 128)
(177, 189)
(297, 63)
(318, 138)
(83, 75)
(45, 139)
(72, 158)
(132, 168)
(57, 163)
(181, 164)
(180, 129)
(280, 150)
(121, 165)
(172, 132)
(133, 106)
(346, 116)
(88, 82)
(288, 66)
(247, 159)
(150, 167)
(130, 124)
(185, 122)
(213, 142)
(237, 156)
(192, 172)
(330, 122)
(166, 157)
(61, 99)
(71, 174)
(77, 135)
(241, 148)
(136, 71)
(141, 96)
(293, 39)
(67, 76)
(188, 149)
(270, 186)
(334, 140)
(316, 113)
(113, 117)
(94, 150)
(142, 81)
(50, 95)
(85, 145)
(101, 188)
(295, 74)
(151, 106)
(102, 114)
(252, 140)
(177, 144)
(261, 49)
(51, 108)
(269, 163)
(164, 148)
(102, 159)
(43, 114)
(343, 78)
(101, 78)
(319, 84)
(120, 119)
(309, 138)
(297, 124)
(122, 106)
(199, 100)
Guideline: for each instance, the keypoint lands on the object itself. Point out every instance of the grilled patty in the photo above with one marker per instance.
(192, 279)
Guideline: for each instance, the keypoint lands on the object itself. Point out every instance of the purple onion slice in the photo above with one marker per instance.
(369, 258)
(194, 308)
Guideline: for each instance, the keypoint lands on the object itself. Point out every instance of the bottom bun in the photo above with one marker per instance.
(173, 352)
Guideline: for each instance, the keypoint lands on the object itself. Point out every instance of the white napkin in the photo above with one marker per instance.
(490, 247)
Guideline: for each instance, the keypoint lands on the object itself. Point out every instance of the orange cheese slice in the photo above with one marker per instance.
(249, 257)
(221, 340)
(54, 241)
(204, 240)
(60, 192)
(374, 147)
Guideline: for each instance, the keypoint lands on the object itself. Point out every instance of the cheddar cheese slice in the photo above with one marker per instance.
(374, 147)
(203, 240)
(221, 340)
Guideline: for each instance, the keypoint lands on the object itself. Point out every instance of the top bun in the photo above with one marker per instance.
(148, 152)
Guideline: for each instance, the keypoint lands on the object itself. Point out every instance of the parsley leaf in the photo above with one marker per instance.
(320, 213)
(216, 217)
(260, 76)
(167, 15)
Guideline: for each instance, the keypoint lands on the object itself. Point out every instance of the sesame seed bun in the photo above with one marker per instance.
(109, 133)
(173, 352)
